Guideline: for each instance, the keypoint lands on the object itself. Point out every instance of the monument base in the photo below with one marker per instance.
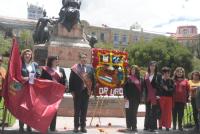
(66, 45)
(112, 107)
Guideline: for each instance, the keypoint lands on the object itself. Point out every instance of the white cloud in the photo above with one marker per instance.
(119, 13)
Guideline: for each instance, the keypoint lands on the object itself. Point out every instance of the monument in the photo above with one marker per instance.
(66, 39)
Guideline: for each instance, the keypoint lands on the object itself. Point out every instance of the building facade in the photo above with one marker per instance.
(186, 35)
(104, 34)
(118, 37)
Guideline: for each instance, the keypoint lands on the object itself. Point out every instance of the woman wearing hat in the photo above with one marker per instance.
(180, 96)
(151, 88)
(194, 85)
(28, 67)
(132, 96)
(166, 93)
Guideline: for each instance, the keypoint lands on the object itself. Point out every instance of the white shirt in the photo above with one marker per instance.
(29, 67)
(151, 77)
(84, 67)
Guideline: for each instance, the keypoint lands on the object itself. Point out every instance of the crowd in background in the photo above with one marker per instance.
(165, 94)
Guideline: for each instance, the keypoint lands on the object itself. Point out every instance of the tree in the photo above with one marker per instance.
(104, 46)
(164, 50)
(5, 45)
(25, 40)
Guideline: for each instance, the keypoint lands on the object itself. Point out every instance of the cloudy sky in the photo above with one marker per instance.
(153, 15)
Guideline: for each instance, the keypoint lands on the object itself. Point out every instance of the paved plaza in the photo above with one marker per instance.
(65, 126)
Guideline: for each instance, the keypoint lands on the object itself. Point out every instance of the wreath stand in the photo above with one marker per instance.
(98, 107)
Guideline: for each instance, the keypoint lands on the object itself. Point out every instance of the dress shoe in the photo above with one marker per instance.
(75, 130)
(83, 130)
(29, 129)
(21, 130)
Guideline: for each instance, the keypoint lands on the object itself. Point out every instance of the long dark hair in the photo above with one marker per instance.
(137, 71)
(156, 67)
(50, 60)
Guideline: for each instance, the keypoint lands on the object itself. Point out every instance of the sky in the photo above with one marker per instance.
(160, 16)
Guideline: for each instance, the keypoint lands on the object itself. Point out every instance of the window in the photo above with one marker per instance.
(102, 37)
(135, 38)
(124, 40)
(185, 31)
(116, 39)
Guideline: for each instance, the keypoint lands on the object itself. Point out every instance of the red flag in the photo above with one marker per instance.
(34, 104)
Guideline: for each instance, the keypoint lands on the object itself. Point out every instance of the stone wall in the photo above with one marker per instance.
(111, 107)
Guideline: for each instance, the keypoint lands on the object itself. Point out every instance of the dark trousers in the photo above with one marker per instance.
(131, 114)
(53, 123)
(199, 119)
(21, 126)
(150, 122)
(80, 108)
(178, 110)
(195, 111)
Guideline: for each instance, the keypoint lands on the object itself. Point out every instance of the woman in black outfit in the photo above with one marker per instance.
(132, 95)
(151, 87)
(53, 72)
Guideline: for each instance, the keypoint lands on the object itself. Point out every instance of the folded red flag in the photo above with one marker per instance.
(34, 104)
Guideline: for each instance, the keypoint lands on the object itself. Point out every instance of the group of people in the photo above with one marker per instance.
(81, 85)
(165, 97)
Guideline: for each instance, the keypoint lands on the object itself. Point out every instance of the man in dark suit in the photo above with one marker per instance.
(81, 85)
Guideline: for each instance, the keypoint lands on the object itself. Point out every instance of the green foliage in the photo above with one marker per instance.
(10, 119)
(104, 46)
(164, 50)
(5, 45)
(196, 64)
(25, 40)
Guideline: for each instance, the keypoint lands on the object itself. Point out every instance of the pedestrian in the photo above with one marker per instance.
(198, 105)
(151, 88)
(166, 93)
(81, 85)
(194, 83)
(29, 69)
(132, 96)
(180, 97)
(55, 73)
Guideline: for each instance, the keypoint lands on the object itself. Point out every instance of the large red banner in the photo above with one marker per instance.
(34, 104)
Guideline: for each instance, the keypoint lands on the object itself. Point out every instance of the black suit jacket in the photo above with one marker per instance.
(46, 75)
(75, 82)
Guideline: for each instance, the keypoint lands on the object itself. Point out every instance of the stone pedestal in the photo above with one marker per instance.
(112, 107)
(66, 45)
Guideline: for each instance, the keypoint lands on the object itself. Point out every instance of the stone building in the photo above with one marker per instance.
(117, 37)
(186, 35)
